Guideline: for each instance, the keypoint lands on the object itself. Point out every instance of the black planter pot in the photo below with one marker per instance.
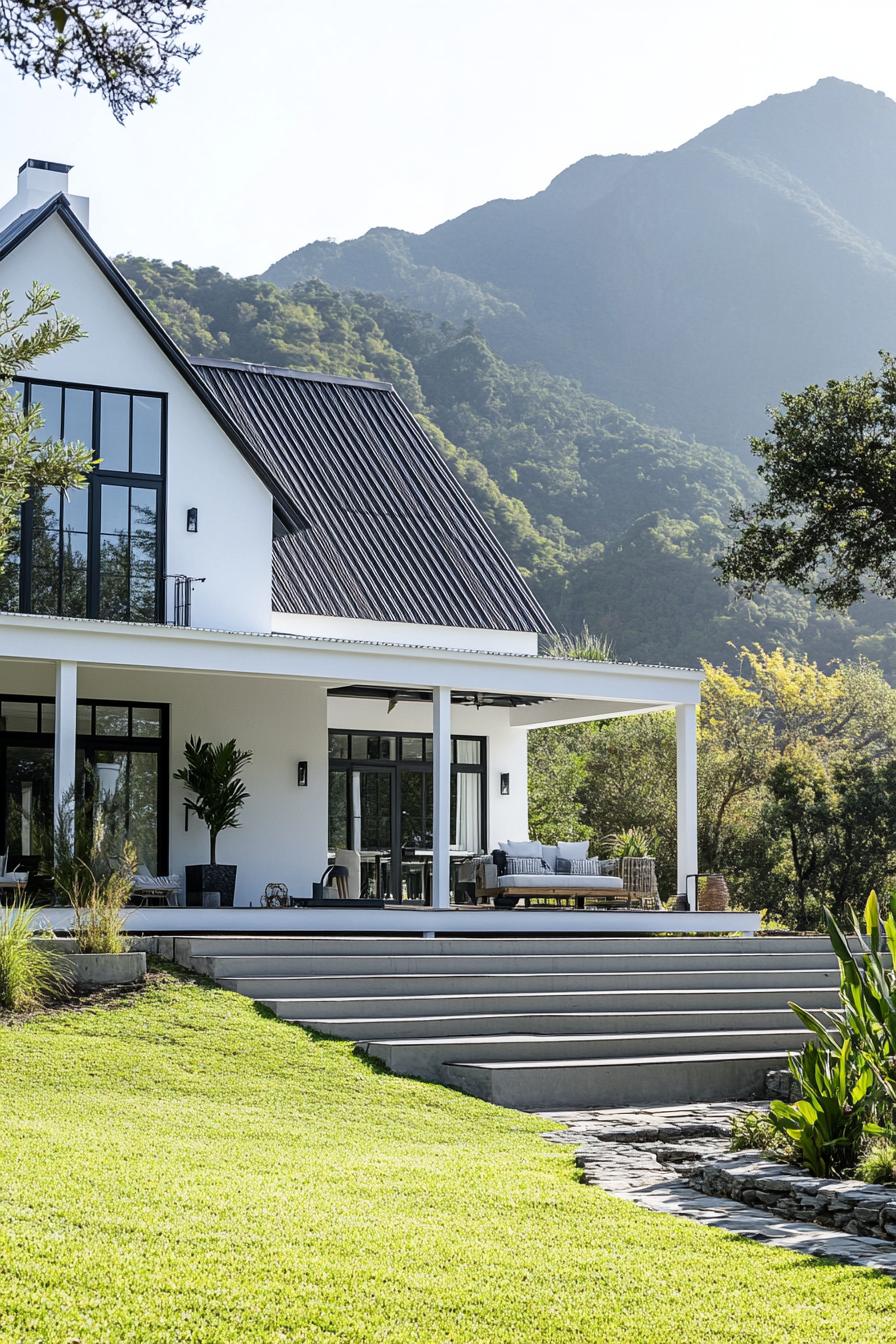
(210, 877)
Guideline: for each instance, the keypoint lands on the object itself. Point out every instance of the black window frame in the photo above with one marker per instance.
(92, 742)
(95, 481)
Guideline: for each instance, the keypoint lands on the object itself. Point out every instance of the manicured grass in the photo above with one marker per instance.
(186, 1168)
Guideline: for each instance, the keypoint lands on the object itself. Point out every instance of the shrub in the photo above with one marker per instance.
(878, 1166)
(826, 1126)
(756, 1129)
(29, 974)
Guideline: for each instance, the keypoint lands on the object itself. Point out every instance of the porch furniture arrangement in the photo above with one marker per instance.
(527, 871)
(336, 878)
(563, 876)
(146, 888)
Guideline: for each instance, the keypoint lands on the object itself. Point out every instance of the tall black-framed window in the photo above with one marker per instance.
(96, 551)
(380, 803)
(121, 748)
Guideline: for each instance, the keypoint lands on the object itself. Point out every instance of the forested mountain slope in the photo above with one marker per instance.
(689, 286)
(614, 521)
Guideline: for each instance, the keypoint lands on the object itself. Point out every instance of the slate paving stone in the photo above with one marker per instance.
(613, 1152)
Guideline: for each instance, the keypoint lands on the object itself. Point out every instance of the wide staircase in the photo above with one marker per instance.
(544, 1023)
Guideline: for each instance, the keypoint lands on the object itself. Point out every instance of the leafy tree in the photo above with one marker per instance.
(26, 459)
(126, 51)
(827, 525)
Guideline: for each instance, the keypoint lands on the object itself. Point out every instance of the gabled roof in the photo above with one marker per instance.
(392, 536)
(371, 524)
(286, 508)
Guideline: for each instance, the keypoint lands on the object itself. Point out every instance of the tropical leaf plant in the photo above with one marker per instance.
(827, 1125)
(634, 843)
(211, 773)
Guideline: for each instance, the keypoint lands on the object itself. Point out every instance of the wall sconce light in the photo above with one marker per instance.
(302, 775)
(505, 784)
(192, 520)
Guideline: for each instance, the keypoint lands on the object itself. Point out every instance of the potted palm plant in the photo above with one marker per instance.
(211, 776)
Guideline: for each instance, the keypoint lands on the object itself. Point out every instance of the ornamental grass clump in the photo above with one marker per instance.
(93, 870)
(29, 973)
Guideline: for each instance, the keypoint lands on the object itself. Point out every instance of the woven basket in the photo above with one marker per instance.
(712, 892)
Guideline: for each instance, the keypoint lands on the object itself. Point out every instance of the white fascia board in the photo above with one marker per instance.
(115, 644)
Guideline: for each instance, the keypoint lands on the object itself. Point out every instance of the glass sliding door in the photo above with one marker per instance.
(362, 817)
(381, 798)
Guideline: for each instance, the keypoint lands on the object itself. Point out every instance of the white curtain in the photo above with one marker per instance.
(467, 807)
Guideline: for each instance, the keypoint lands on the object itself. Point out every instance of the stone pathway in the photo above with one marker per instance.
(618, 1151)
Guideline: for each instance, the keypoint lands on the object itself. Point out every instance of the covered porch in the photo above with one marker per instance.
(415, 756)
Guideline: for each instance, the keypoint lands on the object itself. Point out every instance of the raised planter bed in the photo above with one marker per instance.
(91, 970)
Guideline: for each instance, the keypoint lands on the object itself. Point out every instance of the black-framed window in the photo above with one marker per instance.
(121, 749)
(96, 551)
(381, 798)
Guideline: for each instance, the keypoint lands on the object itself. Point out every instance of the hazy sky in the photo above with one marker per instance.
(307, 119)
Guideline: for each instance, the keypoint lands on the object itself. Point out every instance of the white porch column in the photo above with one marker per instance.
(686, 784)
(441, 797)
(64, 740)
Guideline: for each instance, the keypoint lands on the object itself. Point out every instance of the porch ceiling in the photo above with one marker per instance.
(606, 688)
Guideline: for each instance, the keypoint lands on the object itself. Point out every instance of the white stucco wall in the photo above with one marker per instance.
(283, 832)
(232, 549)
(400, 632)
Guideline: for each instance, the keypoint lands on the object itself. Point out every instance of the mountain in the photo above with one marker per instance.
(690, 286)
(614, 522)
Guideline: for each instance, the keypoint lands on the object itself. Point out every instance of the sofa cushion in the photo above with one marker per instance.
(549, 854)
(518, 865)
(562, 865)
(522, 849)
(560, 882)
(586, 867)
(572, 849)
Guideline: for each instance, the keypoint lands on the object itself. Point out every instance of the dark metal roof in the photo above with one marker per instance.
(286, 507)
(392, 536)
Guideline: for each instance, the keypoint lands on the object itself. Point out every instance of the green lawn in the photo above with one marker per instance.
(186, 1168)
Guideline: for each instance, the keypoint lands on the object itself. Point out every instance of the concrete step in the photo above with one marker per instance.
(188, 948)
(308, 1009)
(432, 1058)
(545, 1024)
(497, 982)
(533, 1085)
(298, 964)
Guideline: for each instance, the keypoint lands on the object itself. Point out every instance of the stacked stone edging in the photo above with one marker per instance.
(751, 1178)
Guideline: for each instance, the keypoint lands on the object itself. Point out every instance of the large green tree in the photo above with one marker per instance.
(127, 51)
(28, 460)
(827, 524)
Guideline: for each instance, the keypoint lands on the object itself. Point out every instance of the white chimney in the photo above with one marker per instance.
(38, 181)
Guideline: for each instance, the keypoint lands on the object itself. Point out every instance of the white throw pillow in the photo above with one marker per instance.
(523, 849)
(574, 850)
(549, 854)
